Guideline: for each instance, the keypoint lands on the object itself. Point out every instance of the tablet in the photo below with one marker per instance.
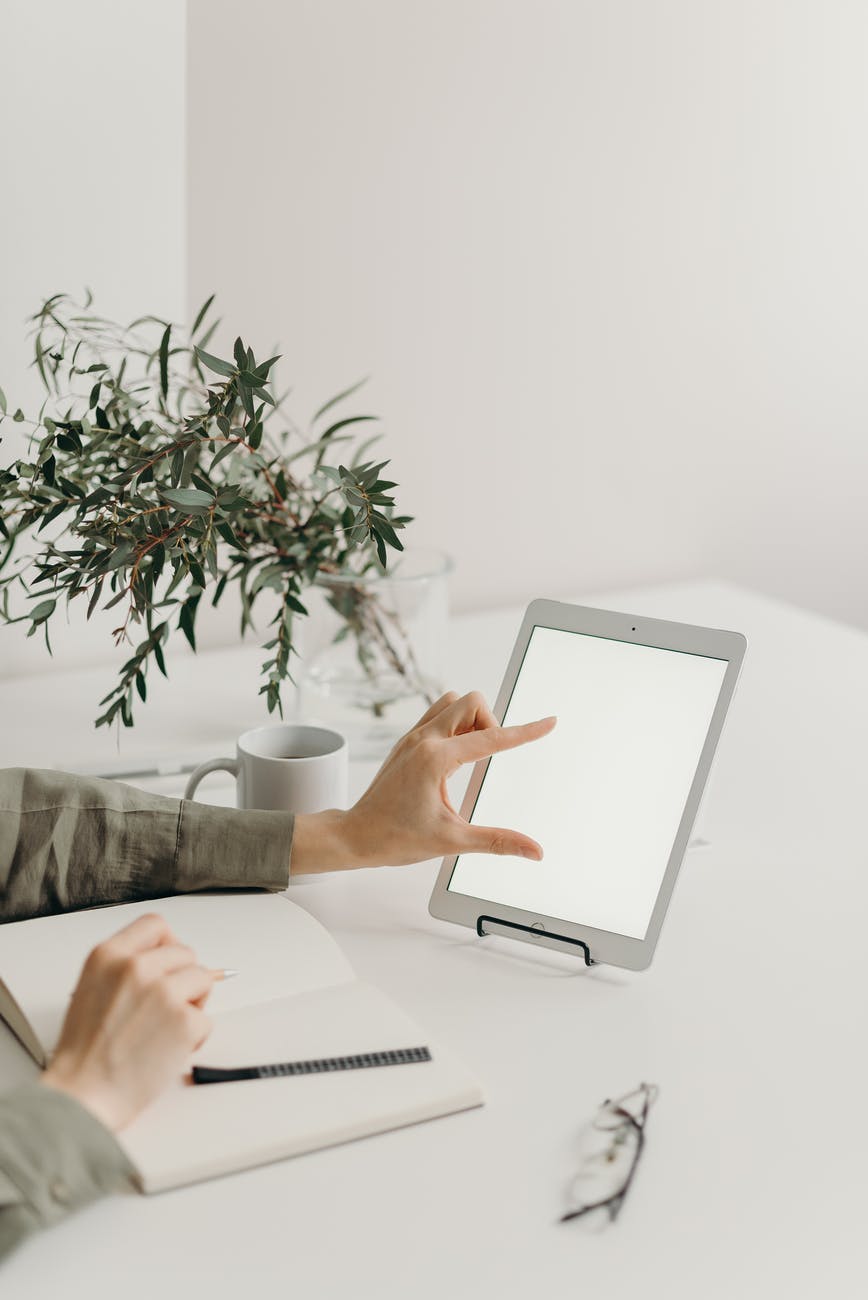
(611, 794)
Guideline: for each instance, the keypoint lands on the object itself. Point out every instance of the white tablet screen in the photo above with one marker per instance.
(605, 792)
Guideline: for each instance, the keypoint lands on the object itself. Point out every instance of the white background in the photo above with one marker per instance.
(605, 261)
(604, 792)
(92, 157)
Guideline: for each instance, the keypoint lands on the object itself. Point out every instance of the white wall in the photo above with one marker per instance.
(606, 260)
(92, 158)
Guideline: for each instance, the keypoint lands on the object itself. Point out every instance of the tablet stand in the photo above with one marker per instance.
(560, 942)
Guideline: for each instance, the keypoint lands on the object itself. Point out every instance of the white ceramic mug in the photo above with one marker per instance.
(290, 767)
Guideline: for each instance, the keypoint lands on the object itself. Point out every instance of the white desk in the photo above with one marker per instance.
(752, 1020)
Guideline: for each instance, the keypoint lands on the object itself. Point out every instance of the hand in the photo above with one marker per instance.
(134, 1019)
(405, 814)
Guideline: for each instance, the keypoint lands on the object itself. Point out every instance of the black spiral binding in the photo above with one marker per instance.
(322, 1065)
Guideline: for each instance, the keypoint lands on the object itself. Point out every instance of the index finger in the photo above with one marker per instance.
(147, 931)
(437, 707)
(473, 745)
(470, 713)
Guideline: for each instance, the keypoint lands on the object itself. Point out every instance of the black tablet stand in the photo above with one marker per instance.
(554, 940)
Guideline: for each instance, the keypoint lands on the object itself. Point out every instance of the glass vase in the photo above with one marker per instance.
(373, 645)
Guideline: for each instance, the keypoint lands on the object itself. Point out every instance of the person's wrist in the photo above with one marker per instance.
(323, 841)
(98, 1101)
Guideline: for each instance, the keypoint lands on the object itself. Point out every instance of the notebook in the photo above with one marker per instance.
(296, 997)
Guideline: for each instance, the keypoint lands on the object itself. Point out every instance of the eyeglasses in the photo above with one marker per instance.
(616, 1138)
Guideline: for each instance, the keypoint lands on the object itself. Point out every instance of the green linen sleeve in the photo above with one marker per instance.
(54, 1158)
(72, 841)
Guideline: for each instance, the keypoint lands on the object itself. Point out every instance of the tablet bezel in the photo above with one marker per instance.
(605, 946)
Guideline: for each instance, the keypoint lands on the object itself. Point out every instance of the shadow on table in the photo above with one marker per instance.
(512, 952)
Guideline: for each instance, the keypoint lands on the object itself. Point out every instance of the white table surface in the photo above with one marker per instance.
(751, 1019)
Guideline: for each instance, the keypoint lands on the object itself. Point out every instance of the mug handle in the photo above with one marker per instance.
(213, 765)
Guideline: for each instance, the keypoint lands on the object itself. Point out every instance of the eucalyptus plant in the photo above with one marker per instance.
(158, 474)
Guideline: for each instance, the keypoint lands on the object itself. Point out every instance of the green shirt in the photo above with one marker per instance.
(68, 842)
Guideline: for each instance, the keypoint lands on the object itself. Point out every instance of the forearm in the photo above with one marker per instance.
(54, 1158)
(70, 841)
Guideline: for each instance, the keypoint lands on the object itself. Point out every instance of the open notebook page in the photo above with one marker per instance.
(276, 946)
(199, 1132)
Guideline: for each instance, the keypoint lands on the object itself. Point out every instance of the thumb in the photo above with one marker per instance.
(504, 843)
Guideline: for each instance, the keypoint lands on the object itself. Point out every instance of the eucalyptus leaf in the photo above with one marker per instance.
(164, 361)
(333, 401)
(214, 363)
(149, 507)
(187, 498)
(342, 424)
(42, 611)
(222, 452)
(202, 313)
